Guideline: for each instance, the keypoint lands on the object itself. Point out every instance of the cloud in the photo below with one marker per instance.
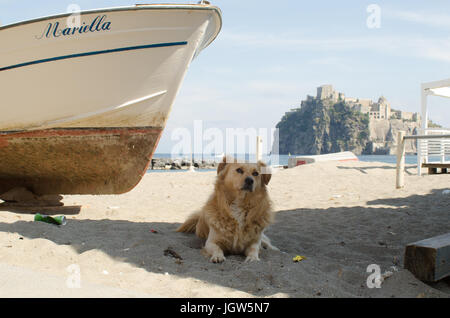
(287, 41)
(332, 61)
(272, 88)
(430, 19)
(437, 50)
(433, 48)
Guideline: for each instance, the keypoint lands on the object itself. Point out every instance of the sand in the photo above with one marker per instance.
(341, 216)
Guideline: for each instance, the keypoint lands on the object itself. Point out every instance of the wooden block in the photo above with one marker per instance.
(444, 170)
(429, 260)
(432, 170)
(436, 165)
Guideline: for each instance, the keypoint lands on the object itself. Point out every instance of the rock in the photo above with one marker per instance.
(319, 127)
(325, 126)
(23, 197)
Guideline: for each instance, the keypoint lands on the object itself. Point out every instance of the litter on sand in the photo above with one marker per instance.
(58, 220)
(298, 258)
(170, 252)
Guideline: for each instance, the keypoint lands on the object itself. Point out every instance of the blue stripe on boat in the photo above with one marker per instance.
(64, 57)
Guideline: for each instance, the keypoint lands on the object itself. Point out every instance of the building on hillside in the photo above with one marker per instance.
(380, 109)
(376, 110)
(361, 107)
(399, 114)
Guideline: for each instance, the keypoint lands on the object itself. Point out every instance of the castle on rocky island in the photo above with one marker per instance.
(380, 109)
(332, 122)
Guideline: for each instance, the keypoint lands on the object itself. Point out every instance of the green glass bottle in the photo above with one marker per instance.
(58, 220)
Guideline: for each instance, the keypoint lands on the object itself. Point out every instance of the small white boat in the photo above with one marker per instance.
(337, 156)
(83, 105)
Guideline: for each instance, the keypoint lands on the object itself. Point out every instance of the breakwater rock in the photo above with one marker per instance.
(179, 164)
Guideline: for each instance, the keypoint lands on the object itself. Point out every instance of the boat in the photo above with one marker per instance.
(83, 104)
(337, 156)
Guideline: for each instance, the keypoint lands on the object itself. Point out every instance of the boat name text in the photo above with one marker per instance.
(55, 30)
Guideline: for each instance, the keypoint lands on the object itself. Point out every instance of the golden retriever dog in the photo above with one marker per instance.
(235, 216)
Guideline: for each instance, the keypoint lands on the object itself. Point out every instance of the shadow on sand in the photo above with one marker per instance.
(53, 210)
(408, 168)
(339, 244)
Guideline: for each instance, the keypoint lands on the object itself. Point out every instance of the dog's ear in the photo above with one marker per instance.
(266, 172)
(225, 161)
(222, 165)
(266, 178)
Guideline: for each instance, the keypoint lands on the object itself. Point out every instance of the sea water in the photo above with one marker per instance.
(282, 159)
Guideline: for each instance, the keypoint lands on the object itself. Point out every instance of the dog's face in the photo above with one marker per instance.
(246, 177)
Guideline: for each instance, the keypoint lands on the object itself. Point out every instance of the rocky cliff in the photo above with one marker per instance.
(322, 126)
(383, 136)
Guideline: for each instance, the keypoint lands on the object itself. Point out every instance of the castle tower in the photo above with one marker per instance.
(325, 91)
(385, 107)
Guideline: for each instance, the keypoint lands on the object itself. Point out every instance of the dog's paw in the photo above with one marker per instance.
(268, 246)
(251, 258)
(217, 258)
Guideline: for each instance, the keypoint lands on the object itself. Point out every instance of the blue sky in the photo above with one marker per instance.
(270, 54)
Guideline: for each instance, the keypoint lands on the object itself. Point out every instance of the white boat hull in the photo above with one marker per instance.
(83, 107)
(124, 75)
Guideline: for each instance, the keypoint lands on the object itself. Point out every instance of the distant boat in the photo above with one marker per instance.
(337, 156)
(82, 107)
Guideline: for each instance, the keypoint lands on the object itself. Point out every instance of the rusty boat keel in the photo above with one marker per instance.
(76, 160)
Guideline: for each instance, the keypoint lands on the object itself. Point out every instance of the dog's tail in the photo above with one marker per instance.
(190, 224)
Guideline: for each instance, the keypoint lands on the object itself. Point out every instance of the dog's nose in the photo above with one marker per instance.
(248, 181)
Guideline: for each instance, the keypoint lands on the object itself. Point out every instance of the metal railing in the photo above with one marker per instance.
(435, 143)
(435, 147)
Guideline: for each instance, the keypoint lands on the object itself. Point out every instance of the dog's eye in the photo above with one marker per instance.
(239, 170)
(255, 174)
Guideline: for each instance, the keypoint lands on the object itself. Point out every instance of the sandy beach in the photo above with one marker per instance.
(341, 216)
